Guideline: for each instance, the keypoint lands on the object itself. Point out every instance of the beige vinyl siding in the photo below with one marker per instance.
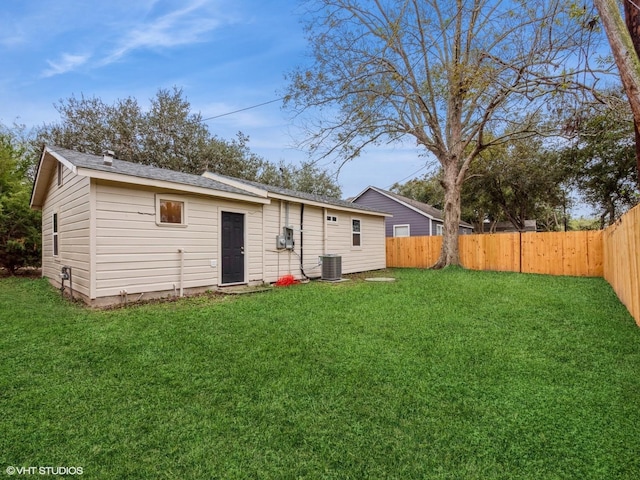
(370, 255)
(319, 239)
(313, 240)
(135, 254)
(279, 262)
(71, 202)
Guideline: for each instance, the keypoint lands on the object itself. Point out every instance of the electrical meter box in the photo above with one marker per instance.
(285, 241)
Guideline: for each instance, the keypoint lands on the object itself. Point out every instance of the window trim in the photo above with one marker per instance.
(407, 225)
(354, 233)
(331, 219)
(439, 229)
(55, 238)
(172, 198)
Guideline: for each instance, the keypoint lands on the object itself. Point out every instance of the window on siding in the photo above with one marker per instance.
(54, 230)
(171, 211)
(332, 219)
(356, 239)
(59, 172)
(401, 231)
(438, 229)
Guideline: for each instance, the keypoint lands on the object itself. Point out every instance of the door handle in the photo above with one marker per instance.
(242, 250)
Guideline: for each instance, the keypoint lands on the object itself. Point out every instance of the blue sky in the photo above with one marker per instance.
(224, 55)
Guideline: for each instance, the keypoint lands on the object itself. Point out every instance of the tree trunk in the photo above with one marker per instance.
(449, 255)
(632, 19)
(624, 52)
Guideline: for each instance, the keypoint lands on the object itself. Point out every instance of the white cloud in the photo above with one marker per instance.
(13, 39)
(66, 63)
(180, 27)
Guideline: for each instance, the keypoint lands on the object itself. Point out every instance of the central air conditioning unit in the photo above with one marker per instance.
(331, 267)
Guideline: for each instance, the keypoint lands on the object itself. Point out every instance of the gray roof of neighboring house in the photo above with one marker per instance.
(96, 162)
(421, 206)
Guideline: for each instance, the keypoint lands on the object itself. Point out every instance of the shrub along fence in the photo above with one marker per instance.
(613, 254)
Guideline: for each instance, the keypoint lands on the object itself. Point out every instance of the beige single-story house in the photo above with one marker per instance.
(115, 231)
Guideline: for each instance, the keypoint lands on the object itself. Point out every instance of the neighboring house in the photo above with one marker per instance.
(130, 229)
(410, 217)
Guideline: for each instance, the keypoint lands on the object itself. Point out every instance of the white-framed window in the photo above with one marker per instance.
(54, 233)
(356, 232)
(171, 211)
(438, 229)
(401, 230)
(332, 219)
(60, 173)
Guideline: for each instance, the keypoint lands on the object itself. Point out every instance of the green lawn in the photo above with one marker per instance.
(450, 374)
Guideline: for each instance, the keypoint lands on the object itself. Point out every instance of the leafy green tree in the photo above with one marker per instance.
(168, 136)
(520, 181)
(515, 182)
(19, 225)
(305, 178)
(582, 223)
(440, 73)
(426, 189)
(602, 157)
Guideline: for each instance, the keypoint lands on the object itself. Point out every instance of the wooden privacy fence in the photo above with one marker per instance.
(555, 253)
(622, 260)
(613, 253)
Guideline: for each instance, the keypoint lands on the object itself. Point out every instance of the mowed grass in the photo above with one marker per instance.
(446, 375)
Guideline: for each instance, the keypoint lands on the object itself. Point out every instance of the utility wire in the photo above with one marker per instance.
(243, 109)
(277, 100)
(407, 177)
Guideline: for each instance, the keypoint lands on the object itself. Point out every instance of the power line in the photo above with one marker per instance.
(277, 100)
(243, 109)
(408, 176)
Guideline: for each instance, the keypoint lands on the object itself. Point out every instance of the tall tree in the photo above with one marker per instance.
(306, 178)
(168, 135)
(475, 204)
(440, 72)
(515, 182)
(19, 225)
(624, 39)
(602, 158)
(520, 181)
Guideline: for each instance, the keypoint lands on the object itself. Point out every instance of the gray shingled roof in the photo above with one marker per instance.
(303, 195)
(423, 207)
(95, 162)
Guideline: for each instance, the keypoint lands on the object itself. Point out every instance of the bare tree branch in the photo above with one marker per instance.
(456, 76)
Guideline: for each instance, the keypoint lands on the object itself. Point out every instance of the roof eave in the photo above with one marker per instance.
(235, 183)
(43, 173)
(316, 203)
(168, 185)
